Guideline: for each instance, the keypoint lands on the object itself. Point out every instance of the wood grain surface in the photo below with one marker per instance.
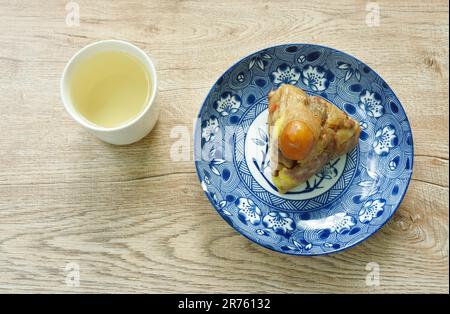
(133, 220)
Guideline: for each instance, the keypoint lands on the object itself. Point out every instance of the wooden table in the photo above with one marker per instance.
(134, 221)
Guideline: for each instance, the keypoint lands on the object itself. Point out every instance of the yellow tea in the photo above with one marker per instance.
(110, 88)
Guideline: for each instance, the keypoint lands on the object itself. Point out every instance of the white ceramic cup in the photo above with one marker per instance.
(131, 131)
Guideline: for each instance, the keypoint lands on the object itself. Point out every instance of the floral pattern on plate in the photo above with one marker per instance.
(344, 203)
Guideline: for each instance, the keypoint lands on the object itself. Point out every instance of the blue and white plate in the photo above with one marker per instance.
(349, 199)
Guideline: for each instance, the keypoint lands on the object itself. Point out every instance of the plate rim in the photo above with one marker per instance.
(302, 253)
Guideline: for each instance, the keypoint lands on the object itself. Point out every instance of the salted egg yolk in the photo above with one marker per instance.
(296, 140)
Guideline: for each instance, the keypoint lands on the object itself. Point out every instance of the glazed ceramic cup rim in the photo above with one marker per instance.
(65, 93)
